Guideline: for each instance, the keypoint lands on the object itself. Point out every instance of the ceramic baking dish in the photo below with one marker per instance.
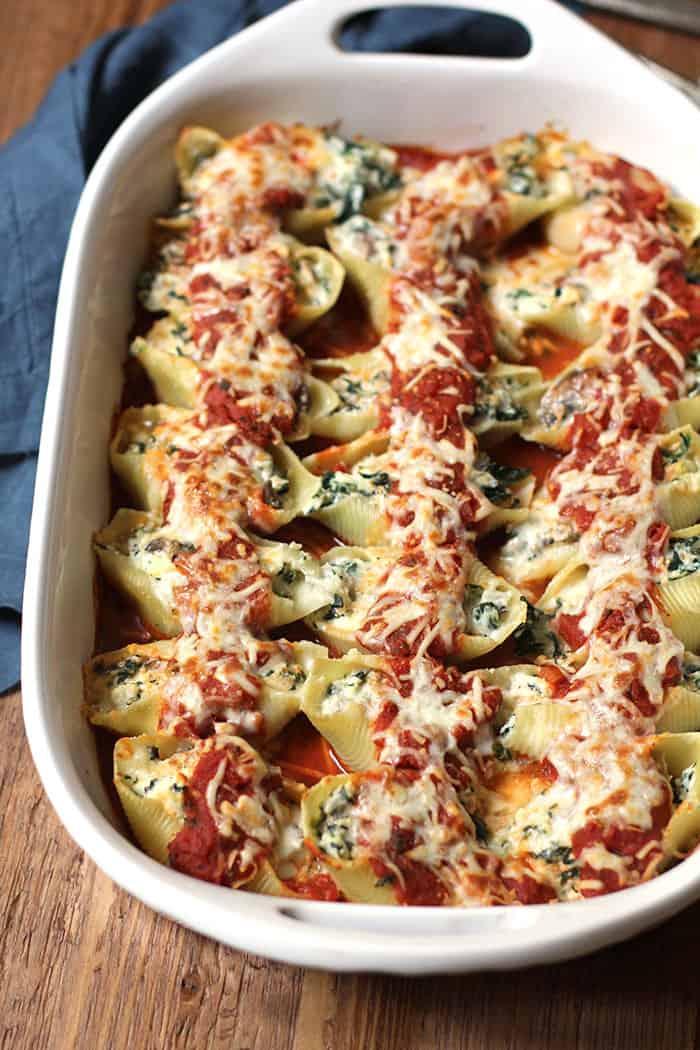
(289, 68)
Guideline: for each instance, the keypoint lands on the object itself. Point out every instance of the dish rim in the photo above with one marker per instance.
(335, 936)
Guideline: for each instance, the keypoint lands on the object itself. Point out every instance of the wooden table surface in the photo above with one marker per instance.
(82, 965)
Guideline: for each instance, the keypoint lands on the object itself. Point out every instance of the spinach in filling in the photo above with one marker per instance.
(332, 827)
(336, 485)
(534, 637)
(484, 614)
(692, 366)
(691, 676)
(677, 451)
(496, 402)
(681, 785)
(683, 557)
(356, 172)
(496, 480)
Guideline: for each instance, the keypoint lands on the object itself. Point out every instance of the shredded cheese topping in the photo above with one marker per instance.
(484, 786)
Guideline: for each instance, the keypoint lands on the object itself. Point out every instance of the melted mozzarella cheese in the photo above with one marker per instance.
(427, 322)
(602, 289)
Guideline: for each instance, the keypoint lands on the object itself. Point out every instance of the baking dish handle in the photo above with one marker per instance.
(561, 41)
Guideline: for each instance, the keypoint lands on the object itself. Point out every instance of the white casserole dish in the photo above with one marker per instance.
(288, 68)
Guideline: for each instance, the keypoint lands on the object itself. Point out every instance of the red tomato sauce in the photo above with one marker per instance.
(418, 884)
(314, 537)
(529, 891)
(515, 452)
(196, 849)
(304, 755)
(637, 191)
(138, 388)
(223, 409)
(624, 841)
(682, 327)
(549, 352)
(315, 887)
(568, 627)
(199, 849)
(420, 157)
(438, 396)
(559, 683)
(343, 330)
(117, 623)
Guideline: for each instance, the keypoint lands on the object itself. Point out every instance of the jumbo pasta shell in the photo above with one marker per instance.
(266, 881)
(155, 819)
(344, 725)
(135, 436)
(309, 224)
(680, 712)
(175, 379)
(679, 753)
(194, 145)
(534, 727)
(356, 519)
(346, 424)
(486, 630)
(354, 878)
(323, 401)
(525, 208)
(371, 281)
(111, 547)
(567, 589)
(140, 717)
(679, 501)
(302, 486)
(684, 412)
(299, 584)
(318, 278)
(371, 444)
(681, 602)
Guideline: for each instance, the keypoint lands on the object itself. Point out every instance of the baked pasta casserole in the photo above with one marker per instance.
(400, 601)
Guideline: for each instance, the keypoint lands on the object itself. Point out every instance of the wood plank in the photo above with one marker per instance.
(82, 965)
(40, 38)
(674, 50)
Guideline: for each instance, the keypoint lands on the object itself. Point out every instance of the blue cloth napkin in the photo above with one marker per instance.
(43, 169)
